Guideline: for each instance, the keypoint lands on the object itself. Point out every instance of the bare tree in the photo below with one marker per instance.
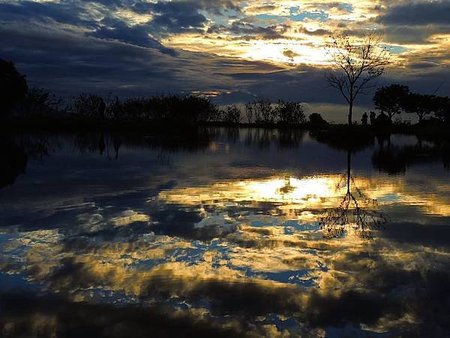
(357, 63)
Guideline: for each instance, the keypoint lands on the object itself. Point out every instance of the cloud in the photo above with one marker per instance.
(138, 35)
(421, 13)
(177, 17)
(132, 47)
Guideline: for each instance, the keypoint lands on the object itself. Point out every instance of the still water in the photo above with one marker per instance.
(223, 233)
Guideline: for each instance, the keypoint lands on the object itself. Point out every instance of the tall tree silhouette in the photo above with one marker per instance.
(357, 62)
(13, 86)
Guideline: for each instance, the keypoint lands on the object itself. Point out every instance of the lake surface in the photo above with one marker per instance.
(223, 233)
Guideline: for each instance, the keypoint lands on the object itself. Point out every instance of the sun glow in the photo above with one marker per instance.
(290, 193)
(304, 192)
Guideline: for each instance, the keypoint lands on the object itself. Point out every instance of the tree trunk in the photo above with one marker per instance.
(350, 113)
(349, 161)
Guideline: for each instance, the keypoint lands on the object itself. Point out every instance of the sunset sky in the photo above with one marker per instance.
(232, 50)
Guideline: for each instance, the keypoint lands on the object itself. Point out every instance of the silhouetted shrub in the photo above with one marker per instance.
(382, 120)
(38, 101)
(90, 106)
(316, 120)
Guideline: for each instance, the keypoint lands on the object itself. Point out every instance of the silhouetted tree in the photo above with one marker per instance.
(390, 99)
(264, 112)
(290, 113)
(419, 104)
(358, 62)
(13, 86)
(442, 108)
(231, 114)
(249, 112)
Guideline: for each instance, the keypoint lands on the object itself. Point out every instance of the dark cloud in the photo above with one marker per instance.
(242, 29)
(138, 35)
(436, 12)
(176, 17)
(413, 34)
(75, 46)
(26, 11)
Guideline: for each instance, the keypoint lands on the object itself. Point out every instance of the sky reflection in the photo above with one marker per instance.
(220, 253)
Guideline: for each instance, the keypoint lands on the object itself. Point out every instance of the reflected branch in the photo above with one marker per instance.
(356, 213)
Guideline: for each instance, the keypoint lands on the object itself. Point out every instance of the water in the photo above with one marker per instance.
(220, 234)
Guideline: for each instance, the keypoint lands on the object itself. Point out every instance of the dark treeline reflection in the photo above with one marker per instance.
(395, 159)
(386, 157)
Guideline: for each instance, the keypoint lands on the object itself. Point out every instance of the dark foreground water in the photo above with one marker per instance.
(219, 234)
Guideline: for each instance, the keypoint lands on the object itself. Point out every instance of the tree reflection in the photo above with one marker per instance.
(356, 212)
(14, 162)
(394, 159)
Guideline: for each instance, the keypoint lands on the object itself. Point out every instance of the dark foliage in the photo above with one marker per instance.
(13, 87)
(395, 99)
(390, 99)
(316, 120)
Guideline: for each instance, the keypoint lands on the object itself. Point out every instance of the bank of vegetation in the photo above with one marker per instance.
(30, 108)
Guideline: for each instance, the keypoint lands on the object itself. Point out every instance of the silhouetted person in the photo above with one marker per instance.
(117, 143)
(101, 109)
(364, 119)
(101, 144)
(372, 118)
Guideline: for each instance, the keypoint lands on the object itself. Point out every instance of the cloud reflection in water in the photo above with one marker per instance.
(232, 256)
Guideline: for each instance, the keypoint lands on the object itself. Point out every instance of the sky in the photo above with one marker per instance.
(233, 51)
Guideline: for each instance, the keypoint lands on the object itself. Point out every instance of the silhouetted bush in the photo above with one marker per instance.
(89, 106)
(316, 120)
(382, 121)
(38, 102)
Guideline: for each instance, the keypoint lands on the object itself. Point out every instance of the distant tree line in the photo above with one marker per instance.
(187, 109)
(396, 99)
(19, 102)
